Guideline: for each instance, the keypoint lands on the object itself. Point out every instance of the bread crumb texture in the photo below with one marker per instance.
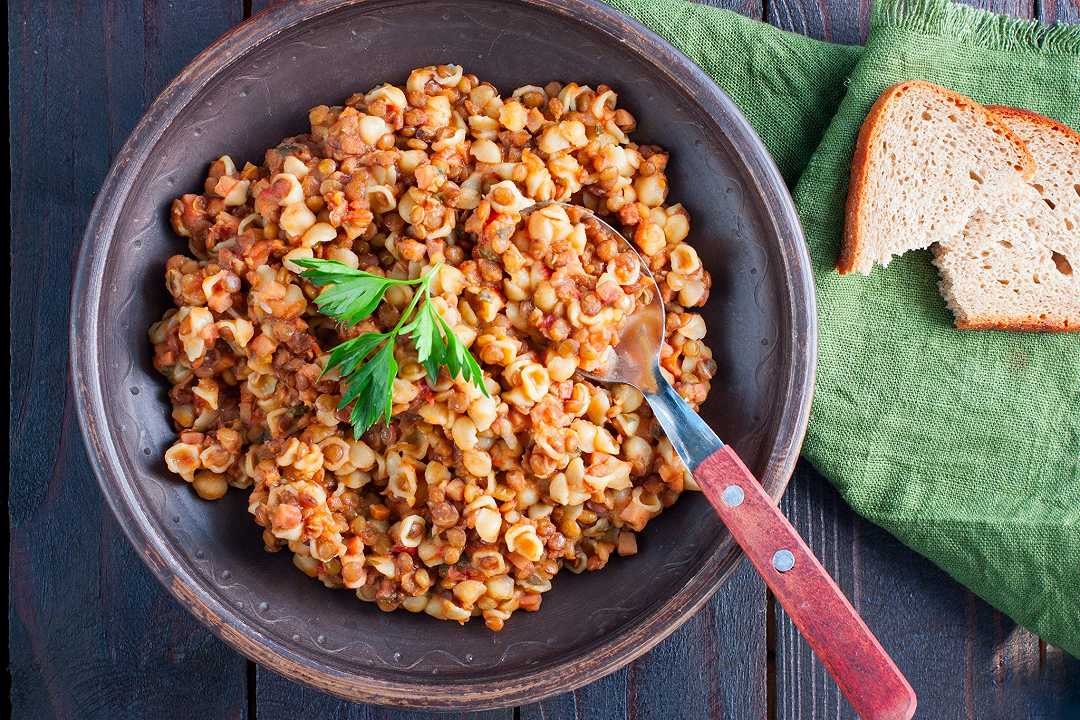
(995, 192)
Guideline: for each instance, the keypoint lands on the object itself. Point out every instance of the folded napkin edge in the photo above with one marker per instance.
(964, 24)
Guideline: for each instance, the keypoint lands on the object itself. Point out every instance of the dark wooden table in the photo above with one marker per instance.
(92, 634)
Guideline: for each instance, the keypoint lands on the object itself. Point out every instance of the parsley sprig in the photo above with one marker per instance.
(366, 363)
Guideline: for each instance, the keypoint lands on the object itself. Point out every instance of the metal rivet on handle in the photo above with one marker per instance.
(733, 496)
(783, 560)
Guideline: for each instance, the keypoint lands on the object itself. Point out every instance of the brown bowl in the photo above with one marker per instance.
(253, 87)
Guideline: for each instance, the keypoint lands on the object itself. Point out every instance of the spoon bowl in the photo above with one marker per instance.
(635, 359)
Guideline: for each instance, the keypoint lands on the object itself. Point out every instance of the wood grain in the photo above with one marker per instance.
(92, 635)
(713, 667)
(840, 22)
(964, 659)
(1016, 8)
(281, 699)
(1059, 11)
(260, 5)
(847, 22)
(750, 8)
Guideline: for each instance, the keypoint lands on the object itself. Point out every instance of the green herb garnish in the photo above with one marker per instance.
(366, 363)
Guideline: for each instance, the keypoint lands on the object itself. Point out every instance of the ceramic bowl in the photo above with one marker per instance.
(254, 86)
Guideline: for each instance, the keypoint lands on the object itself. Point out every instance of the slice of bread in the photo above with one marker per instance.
(927, 158)
(1056, 149)
(1017, 266)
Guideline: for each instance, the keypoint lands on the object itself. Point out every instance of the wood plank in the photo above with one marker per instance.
(964, 659)
(750, 8)
(712, 667)
(1065, 11)
(260, 5)
(82, 642)
(277, 697)
(92, 634)
(281, 699)
(848, 21)
(1016, 8)
(1006, 672)
(837, 21)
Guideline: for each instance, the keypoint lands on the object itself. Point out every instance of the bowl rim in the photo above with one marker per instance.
(222, 619)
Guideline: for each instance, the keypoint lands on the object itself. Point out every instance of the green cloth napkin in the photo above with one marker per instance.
(965, 445)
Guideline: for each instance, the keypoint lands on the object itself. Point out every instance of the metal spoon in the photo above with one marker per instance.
(865, 673)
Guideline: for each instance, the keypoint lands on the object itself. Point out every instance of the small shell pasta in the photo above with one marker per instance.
(465, 504)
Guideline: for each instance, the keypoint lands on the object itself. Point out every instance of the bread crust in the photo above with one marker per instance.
(1006, 112)
(1028, 324)
(861, 168)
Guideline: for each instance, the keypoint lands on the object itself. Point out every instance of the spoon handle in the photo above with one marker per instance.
(865, 673)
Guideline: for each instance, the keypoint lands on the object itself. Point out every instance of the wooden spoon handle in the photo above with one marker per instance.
(865, 673)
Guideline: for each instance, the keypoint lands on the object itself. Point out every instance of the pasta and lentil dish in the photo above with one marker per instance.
(470, 499)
